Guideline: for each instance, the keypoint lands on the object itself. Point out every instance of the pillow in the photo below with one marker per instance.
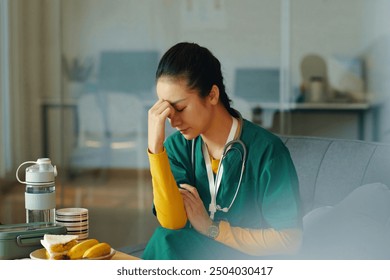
(358, 227)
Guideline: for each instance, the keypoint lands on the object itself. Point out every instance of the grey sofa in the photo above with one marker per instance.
(345, 198)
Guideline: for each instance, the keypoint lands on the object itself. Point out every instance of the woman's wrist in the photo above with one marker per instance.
(213, 230)
(156, 148)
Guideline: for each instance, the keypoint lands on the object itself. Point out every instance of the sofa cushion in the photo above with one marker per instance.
(358, 227)
(342, 170)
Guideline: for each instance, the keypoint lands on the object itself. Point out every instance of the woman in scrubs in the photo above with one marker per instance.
(241, 213)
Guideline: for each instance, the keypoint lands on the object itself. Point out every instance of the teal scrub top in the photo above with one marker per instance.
(267, 198)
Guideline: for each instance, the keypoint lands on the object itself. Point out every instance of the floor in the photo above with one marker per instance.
(119, 204)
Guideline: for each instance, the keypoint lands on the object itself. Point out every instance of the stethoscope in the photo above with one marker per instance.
(214, 183)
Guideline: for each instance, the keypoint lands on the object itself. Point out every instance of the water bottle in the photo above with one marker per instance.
(40, 195)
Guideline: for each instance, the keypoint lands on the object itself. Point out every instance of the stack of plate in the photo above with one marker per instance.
(75, 220)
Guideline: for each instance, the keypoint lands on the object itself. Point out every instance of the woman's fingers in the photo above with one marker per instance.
(157, 116)
(192, 190)
(160, 110)
(191, 198)
(190, 195)
(195, 209)
(188, 203)
(187, 196)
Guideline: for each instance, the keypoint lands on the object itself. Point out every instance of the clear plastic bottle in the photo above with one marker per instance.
(40, 195)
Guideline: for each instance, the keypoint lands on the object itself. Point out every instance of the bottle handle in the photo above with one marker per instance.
(17, 171)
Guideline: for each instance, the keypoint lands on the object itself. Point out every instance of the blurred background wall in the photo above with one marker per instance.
(77, 79)
(61, 54)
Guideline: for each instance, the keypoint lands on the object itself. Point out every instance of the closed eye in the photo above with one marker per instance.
(179, 110)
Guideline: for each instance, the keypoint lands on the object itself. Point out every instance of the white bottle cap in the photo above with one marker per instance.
(42, 172)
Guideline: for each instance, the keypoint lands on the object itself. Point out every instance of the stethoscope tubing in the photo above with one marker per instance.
(227, 147)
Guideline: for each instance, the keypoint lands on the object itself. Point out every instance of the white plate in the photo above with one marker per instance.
(40, 254)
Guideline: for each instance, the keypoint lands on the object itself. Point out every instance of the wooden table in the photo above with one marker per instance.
(123, 256)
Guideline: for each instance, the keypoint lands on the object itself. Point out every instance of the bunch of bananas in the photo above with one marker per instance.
(89, 249)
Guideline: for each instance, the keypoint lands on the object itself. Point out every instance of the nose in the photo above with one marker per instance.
(175, 120)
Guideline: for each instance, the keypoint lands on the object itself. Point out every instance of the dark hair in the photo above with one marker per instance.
(198, 66)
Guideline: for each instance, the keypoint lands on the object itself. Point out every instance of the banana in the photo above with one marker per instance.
(98, 250)
(77, 251)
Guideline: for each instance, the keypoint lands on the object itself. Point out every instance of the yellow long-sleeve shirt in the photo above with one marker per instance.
(171, 214)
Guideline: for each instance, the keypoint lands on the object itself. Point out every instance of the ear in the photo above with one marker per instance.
(214, 95)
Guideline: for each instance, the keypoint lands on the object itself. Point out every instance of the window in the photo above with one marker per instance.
(5, 133)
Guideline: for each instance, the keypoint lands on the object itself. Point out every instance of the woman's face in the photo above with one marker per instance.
(190, 114)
